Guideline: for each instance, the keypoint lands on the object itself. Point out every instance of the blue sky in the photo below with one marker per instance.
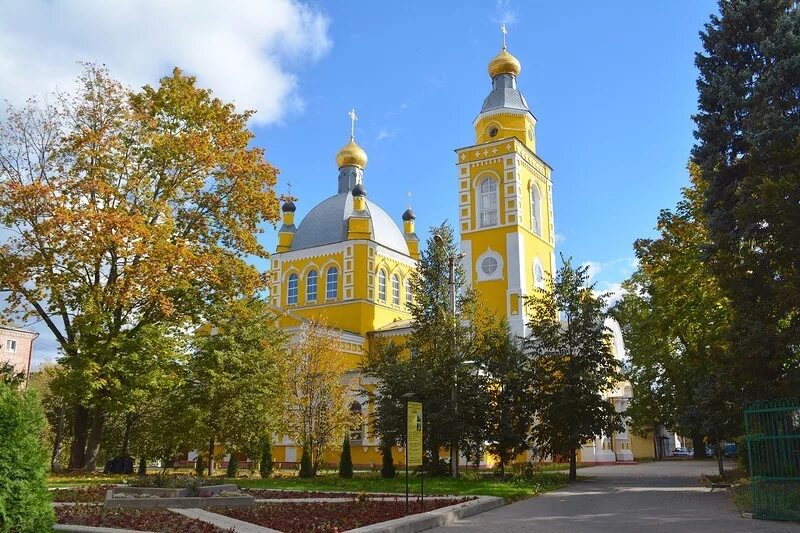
(611, 83)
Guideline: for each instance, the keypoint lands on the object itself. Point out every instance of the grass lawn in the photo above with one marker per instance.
(510, 489)
(547, 479)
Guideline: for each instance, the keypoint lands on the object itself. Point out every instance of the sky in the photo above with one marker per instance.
(612, 85)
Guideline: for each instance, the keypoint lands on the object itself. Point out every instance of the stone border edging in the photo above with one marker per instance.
(92, 529)
(224, 522)
(431, 519)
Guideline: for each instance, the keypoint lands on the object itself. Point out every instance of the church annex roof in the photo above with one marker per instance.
(327, 223)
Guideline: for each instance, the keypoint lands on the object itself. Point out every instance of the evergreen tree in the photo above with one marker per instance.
(346, 461)
(266, 464)
(748, 148)
(387, 468)
(233, 467)
(199, 465)
(306, 469)
(572, 365)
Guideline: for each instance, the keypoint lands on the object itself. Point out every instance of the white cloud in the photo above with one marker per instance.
(384, 133)
(613, 291)
(505, 14)
(246, 51)
(560, 237)
(593, 269)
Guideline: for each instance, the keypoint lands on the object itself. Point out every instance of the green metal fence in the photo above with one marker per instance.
(773, 450)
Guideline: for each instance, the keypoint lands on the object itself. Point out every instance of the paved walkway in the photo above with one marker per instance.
(661, 496)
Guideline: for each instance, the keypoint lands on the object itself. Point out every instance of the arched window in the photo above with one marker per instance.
(488, 203)
(332, 284)
(291, 290)
(381, 285)
(395, 290)
(311, 286)
(356, 420)
(536, 210)
(409, 294)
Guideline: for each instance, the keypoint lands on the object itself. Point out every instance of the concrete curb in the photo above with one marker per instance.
(432, 519)
(350, 500)
(92, 529)
(224, 522)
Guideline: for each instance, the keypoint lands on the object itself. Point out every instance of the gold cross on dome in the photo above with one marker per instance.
(505, 31)
(353, 119)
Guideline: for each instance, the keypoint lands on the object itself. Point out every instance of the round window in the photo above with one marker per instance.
(538, 274)
(493, 132)
(489, 266)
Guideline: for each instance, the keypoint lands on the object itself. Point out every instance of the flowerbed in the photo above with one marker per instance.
(263, 494)
(92, 493)
(157, 520)
(329, 517)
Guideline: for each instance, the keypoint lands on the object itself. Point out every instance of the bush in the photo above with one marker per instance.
(305, 464)
(266, 465)
(24, 499)
(199, 466)
(233, 467)
(387, 468)
(346, 461)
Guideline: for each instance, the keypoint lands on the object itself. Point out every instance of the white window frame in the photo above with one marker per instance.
(332, 283)
(488, 202)
(395, 290)
(536, 210)
(292, 289)
(382, 285)
(312, 286)
(11, 345)
(409, 293)
(497, 274)
(537, 265)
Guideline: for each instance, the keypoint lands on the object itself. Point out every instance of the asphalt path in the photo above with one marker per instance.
(659, 496)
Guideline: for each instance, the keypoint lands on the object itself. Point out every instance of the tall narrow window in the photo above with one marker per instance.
(332, 284)
(536, 210)
(11, 345)
(356, 420)
(311, 286)
(395, 290)
(381, 285)
(488, 203)
(409, 295)
(291, 290)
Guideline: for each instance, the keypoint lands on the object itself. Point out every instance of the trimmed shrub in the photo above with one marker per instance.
(233, 467)
(305, 464)
(387, 468)
(24, 499)
(346, 461)
(199, 466)
(266, 465)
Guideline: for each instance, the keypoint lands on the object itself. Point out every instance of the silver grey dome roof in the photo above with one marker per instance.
(326, 223)
(505, 95)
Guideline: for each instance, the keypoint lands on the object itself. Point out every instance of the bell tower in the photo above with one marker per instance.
(505, 199)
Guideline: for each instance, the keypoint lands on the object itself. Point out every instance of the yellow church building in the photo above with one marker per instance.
(350, 261)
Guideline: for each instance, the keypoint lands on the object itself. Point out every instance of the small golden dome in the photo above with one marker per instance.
(351, 154)
(504, 63)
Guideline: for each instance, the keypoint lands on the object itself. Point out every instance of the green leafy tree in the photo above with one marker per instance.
(572, 363)
(676, 320)
(132, 209)
(346, 460)
(233, 468)
(509, 388)
(435, 361)
(748, 149)
(306, 468)
(57, 410)
(24, 499)
(235, 388)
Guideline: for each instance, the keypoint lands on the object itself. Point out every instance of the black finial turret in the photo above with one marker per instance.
(359, 190)
(409, 215)
(288, 207)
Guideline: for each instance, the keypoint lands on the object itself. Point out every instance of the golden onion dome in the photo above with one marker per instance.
(504, 63)
(351, 154)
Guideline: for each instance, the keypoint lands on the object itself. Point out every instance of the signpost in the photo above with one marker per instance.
(414, 444)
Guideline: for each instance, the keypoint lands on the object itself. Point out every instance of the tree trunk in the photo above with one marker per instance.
(142, 466)
(502, 469)
(573, 465)
(80, 430)
(699, 446)
(58, 441)
(655, 442)
(126, 437)
(93, 442)
(211, 457)
(719, 453)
